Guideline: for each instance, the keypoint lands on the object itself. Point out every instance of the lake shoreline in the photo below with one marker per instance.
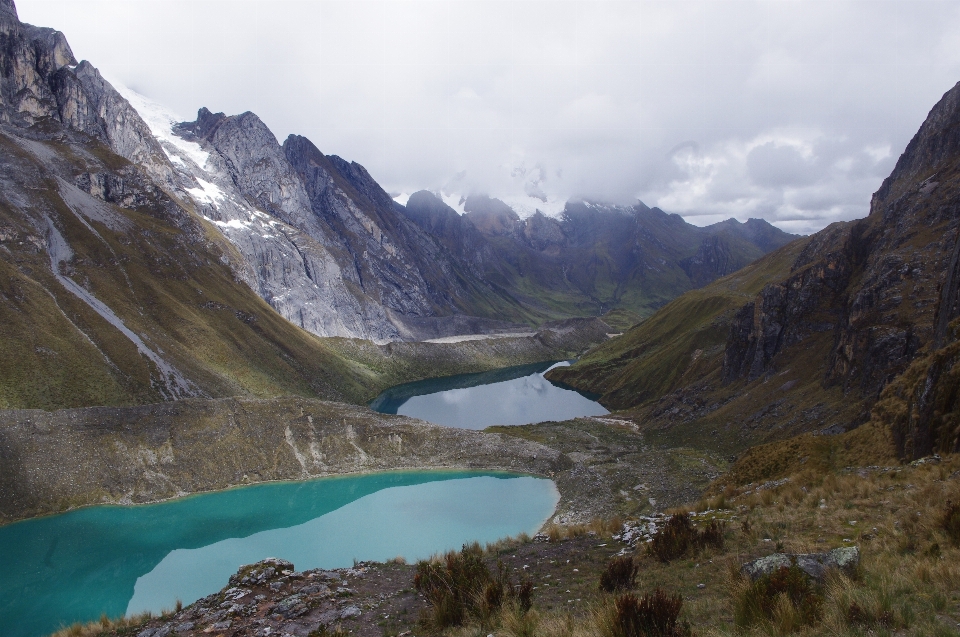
(294, 481)
(74, 458)
(94, 456)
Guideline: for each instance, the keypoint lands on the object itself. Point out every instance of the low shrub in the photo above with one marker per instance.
(653, 615)
(678, 536)
(620, 574)
(786, 597)
(461, 586)
(524, 595)
(950, 522)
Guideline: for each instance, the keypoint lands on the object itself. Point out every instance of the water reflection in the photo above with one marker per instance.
(511, 396)
(76, 566)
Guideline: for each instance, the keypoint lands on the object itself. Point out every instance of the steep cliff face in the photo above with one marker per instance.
(398, 263)
(727, 251)
(460, 236)
(319, 239)
(41, 79)
(786, 312)
(248, 189)
(31, 59)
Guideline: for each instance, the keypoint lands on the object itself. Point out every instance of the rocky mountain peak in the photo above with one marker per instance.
(204, 127)
(8, 7)
(937, 141)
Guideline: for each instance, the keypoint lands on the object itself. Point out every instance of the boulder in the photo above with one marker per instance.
(814, 565)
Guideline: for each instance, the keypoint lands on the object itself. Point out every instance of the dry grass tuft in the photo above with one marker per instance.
(105, 624)
(460, 587)
(785, 599)
(656, 614)
(679, 537)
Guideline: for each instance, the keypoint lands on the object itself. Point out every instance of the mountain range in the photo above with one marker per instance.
(171, 259)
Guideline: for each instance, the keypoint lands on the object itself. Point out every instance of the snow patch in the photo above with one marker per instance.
(235, 224)
(526, 206)
(455, 201)
(161, 121)
(206, 193)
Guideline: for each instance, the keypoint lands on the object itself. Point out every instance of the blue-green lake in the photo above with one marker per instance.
(510, 396)
(125, 559)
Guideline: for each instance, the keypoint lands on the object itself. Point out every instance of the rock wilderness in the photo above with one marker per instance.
(191, 306)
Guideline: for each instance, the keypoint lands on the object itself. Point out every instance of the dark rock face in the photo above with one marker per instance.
(457, 234)
(786, 312)
(931, 421)
(712, 260)
(544, 234)
(491, 216)
(395, 261)
(886, 286)
(41, 79)
(948, 308)
(30, 59)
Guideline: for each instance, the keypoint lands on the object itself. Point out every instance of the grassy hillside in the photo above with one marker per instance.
(681, 343)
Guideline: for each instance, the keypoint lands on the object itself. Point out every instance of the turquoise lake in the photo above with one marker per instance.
(115, 560)
(510, 396)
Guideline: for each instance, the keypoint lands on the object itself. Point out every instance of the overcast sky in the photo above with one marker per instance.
(790, 111)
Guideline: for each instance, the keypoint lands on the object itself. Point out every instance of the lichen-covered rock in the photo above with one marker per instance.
(814, 565)
(350, 611)
(290, 607)
(260, 573)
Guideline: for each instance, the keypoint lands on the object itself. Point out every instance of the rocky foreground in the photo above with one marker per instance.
(372, 599)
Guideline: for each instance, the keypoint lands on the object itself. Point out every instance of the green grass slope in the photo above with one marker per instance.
(682, 342)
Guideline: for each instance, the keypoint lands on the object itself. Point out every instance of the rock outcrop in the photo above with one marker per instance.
(815, 565)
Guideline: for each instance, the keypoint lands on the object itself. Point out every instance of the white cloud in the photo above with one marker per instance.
(596, 94)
